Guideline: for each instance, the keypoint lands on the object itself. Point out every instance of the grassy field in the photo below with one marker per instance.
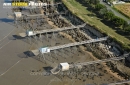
(124, 8)
(80, 11)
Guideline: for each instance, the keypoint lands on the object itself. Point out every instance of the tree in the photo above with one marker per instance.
(99, 6)
(109, 15)
(103, 11)
(125, 25)
(87, 1)
(57, 0)
(94, 2)
(118, 21)
(127, 29)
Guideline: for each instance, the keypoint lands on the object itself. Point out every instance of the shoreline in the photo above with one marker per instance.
(92, 56)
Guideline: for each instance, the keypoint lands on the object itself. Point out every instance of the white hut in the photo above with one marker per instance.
(44, 50)
(29, 33)
(17, 14)
(64, 66)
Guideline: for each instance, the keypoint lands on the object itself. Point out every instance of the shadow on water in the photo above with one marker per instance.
(6, 20)
(22, 55)
(17, 37)
(25, 54)
(11, 38)
(29, 54)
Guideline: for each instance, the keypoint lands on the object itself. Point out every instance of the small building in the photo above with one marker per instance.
(17, 14)
(29, 33)
(44, 50)
(64, 66)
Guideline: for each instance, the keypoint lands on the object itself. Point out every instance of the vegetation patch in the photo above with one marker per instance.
(95, 8)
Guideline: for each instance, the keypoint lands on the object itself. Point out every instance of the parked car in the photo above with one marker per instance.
(110, 4)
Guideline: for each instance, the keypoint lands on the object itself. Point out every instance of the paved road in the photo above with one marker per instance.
(115, 12)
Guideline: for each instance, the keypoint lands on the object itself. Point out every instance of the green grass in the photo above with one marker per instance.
(80, 11)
